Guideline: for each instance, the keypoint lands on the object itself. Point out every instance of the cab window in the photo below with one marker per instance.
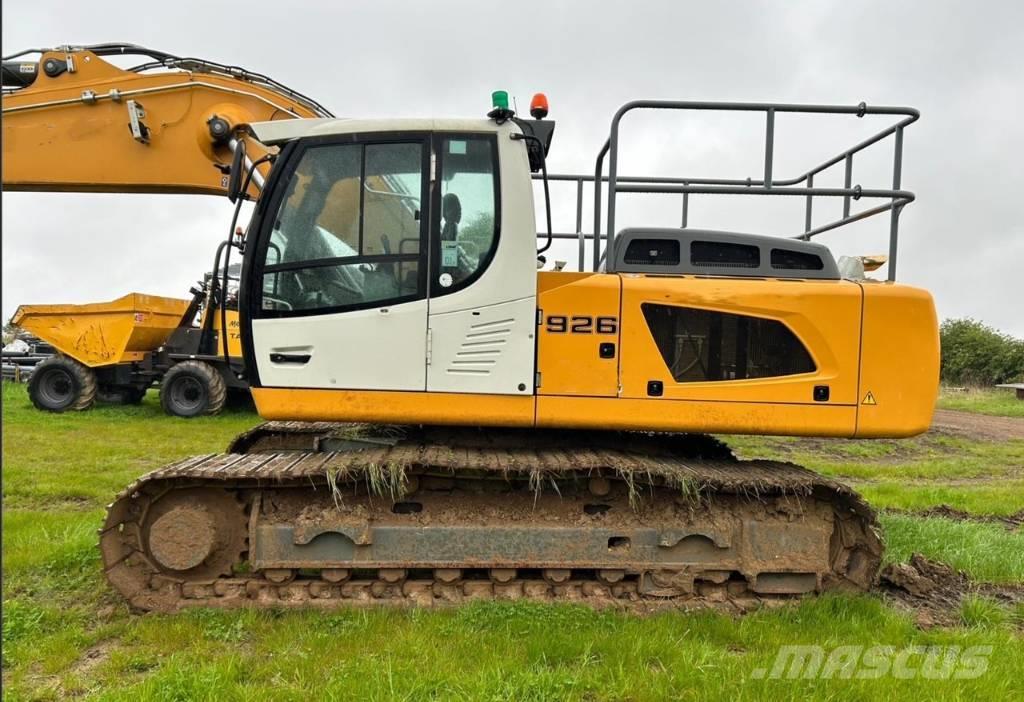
(467, 222)
(347, 234)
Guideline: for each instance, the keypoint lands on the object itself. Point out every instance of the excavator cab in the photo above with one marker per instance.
(373, 234)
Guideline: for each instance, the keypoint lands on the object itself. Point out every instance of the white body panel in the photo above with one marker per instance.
(485, 350)
(375, 349)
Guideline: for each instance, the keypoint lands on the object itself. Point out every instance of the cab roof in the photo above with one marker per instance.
(284, 130)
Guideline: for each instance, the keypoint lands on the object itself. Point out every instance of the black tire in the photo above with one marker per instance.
(60, 384)
(192, 389)
(120, 394)
(240, 398)
(133, 396)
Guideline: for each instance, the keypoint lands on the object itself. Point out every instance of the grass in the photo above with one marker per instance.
(66, 634)
(994, 498)
(994, 401)
(981, 477)
(988, 552)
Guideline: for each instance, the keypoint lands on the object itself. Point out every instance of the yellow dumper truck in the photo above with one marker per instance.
(116, 350)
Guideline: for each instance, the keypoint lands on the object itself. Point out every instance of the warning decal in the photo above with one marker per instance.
(869, 399)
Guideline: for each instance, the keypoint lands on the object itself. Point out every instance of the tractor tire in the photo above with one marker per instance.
(192, 389)
(61, 383)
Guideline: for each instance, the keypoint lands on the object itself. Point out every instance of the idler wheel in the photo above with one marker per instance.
(183, 537)
(195, 533)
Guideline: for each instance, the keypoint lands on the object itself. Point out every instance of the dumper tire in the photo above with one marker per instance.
(192, 389)
(121, 394)
(134, 396)
(61, 383)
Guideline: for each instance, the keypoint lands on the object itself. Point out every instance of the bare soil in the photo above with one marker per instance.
(933, 591)
(978, 426)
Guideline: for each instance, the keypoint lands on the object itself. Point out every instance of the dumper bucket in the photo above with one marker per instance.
(104, 333)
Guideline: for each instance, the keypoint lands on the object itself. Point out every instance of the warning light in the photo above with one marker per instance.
(539, 106)
(499, 100)
(500, 113)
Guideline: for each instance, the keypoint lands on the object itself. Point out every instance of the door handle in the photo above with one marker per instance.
(299, 358)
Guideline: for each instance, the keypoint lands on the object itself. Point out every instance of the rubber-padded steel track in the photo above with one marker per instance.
(324, 514)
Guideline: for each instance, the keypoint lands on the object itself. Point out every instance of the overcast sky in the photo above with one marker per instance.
(961, 64)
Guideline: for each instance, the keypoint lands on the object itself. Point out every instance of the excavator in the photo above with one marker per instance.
(449, 417)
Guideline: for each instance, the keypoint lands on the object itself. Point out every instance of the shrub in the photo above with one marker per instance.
(976, 354)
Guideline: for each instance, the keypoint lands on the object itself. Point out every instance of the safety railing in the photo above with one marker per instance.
(800, 186)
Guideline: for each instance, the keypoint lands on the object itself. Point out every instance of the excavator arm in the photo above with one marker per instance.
(73, 121)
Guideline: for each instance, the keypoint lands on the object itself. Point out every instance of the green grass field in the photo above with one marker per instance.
(65, 634)
(996, 402)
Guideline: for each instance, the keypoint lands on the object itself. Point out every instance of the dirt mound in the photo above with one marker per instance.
(933, 591)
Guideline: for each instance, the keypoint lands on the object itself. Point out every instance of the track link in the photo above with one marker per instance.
(322, 515)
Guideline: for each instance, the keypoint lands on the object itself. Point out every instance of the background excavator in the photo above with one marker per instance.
(528, 433)
(72, 121)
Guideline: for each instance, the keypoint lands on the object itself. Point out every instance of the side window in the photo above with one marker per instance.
(468, 221)
(701, 345)
(347, 232)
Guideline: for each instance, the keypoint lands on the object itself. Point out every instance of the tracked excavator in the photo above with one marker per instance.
(448, 420)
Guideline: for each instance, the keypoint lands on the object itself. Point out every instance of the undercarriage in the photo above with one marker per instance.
(321, 515)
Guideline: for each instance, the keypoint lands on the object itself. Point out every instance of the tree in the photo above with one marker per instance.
(976, 354)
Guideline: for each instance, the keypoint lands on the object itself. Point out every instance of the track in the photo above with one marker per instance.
(320, 515)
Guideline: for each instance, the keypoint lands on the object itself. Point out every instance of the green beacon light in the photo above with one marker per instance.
(499, 100)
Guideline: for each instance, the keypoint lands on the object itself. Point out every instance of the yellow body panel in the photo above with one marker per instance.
(234, 333)
(660, 414)
(900, 362)
(824, 316)
(570, 364)
(394, 407)
(104, 333)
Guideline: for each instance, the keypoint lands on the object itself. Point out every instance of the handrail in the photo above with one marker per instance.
(766, 185)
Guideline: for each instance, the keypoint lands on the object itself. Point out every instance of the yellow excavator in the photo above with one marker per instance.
(450, 418)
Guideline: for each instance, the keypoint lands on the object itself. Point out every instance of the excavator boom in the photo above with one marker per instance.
(73, 121)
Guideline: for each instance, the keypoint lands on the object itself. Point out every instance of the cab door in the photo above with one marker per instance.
(339, 299)
(483, 273)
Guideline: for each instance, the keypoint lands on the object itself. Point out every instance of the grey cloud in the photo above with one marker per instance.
(958, 62)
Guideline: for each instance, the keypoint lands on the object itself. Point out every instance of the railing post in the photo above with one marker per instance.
(613, 165)
(848, 182)
(810, 204)
(769, 146)
(598, 168)
(686, 207)
(894, 217)
(579, 220)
